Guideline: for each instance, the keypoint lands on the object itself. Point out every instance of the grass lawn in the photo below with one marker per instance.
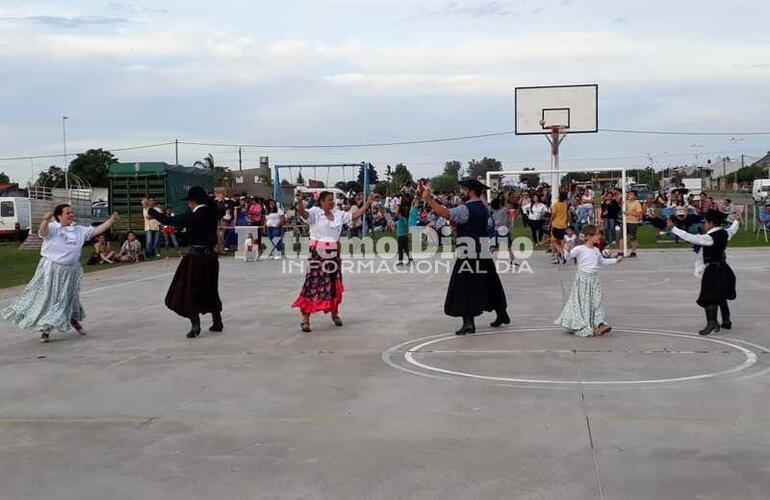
(648, 238)
(18, 266)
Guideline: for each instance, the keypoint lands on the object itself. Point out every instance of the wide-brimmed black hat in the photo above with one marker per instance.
(197, 194)
(474, 184)
(715, 216)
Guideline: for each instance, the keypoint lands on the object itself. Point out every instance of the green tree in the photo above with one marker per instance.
(341, 185)
(452, 168)
(4, 178)
(93, 166)
(480, 168)
(749, 173)
(532, 180)
(401, 176)
(222, 175)
(373, 178)
(388, 174)
(52, 178)
(443, 183)
(353, 186)
(381, 187)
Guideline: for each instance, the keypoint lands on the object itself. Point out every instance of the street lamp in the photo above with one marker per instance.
(64, 140)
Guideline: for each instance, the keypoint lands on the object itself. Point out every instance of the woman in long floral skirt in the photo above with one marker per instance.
(322, 290)
(583, 314)
(51, 300)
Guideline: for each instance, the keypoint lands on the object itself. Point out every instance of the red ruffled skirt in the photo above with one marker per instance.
(322, 290)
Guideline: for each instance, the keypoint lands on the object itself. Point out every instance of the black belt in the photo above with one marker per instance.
(201, 250)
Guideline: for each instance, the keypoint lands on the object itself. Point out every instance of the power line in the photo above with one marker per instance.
(394, 143)
(351, 145)
(60, 155)
(672, 132)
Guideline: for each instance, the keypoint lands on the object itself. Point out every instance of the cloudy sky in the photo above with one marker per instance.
(355, 71)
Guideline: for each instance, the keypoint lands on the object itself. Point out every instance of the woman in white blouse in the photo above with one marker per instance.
(322, 290)
(51, 300)
(536, 218)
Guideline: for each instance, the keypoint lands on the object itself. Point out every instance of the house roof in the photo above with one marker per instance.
(762, 162)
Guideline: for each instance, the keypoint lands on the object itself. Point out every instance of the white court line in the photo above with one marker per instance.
(751, 359)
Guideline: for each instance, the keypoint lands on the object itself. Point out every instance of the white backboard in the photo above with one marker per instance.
(573, 107)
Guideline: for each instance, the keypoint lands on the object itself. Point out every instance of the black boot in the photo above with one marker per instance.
(725, 310)
(712, 325)
(216, 325)
(468, 326)
(501, 319)
(195, 327)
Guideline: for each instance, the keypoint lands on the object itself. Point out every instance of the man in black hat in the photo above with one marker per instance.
(717, 278)
(195, 287)
(474, 286)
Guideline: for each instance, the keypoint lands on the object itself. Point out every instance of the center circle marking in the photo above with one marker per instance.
(749, 360)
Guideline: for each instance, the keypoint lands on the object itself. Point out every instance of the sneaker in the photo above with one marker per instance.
(276, 257)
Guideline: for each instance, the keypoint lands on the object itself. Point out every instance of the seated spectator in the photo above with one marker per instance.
(131, 251)
(103, 253)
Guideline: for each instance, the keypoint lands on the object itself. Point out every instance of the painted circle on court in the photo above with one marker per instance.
(403, 357)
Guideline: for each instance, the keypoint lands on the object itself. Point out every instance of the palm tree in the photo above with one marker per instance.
(207, 162)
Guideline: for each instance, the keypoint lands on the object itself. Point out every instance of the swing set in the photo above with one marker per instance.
(277, 169)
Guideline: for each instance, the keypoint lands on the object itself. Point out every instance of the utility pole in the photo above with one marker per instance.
(64, 140)
(724, 172)
(176, 152)
(240, 160)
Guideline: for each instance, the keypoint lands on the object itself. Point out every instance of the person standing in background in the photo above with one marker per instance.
(274, 220)
(559, 222)
(535, 217)
(402, 231)
(609, 212)
(634, 215)
(151, 228)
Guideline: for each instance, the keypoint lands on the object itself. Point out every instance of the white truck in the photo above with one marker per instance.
(15, 218)
(694, 185)
(760, 190)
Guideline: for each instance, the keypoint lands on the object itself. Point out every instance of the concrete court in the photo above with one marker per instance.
(136, 411)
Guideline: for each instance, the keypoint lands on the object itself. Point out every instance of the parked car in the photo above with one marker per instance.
(761, 190)
(15, 218)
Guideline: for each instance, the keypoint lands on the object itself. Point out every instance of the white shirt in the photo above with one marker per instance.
(589, 260)
(323, 229)
(273, 219)
(63, 244)
(705, 240)
(536, 211)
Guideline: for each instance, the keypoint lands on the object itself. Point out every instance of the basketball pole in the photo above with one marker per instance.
(555, 140)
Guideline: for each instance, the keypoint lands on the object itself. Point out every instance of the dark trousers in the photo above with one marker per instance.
(403, 248)
(536, 226)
